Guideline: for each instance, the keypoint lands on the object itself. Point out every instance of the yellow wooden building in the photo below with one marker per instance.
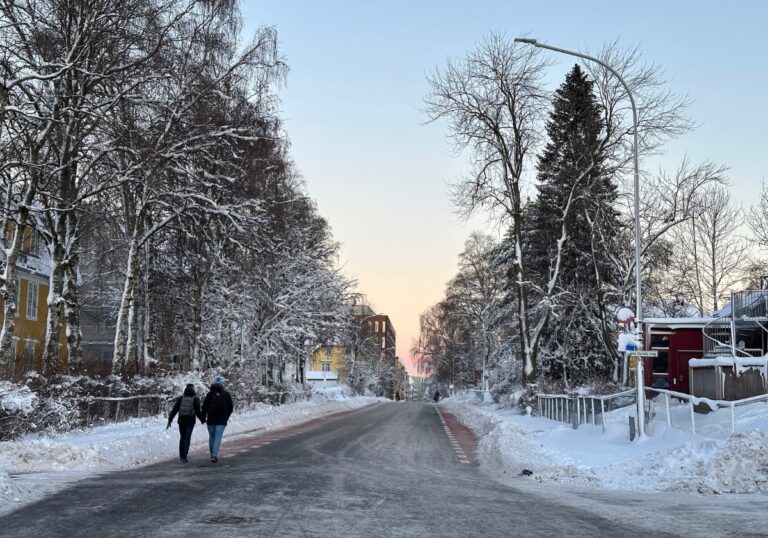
(32, 273)
(330, 359)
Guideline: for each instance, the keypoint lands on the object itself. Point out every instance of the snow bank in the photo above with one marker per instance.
(30, 460)
(334, 393)
(670, 460)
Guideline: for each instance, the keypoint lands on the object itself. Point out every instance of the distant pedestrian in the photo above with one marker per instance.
(217, 407)
(437, 396)
(188, 407)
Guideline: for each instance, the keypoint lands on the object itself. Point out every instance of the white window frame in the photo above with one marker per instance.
(32, 298)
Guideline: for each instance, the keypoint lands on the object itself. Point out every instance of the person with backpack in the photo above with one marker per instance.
(188, 407)
(217, 407)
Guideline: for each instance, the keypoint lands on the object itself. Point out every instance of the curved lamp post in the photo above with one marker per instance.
(638, 234)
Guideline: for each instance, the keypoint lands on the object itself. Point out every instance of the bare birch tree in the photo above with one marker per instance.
(710, 254)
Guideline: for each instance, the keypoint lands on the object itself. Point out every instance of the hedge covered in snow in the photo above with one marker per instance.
(62, 403)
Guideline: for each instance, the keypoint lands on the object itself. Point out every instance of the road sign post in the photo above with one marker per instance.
(640, 398)
(636, 361)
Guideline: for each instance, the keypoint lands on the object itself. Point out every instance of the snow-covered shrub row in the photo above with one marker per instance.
(62, 403)
(510, 394)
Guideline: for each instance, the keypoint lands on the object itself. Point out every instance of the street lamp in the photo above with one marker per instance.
(638, 235)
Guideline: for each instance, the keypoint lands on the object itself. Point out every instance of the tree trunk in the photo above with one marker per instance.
(8, 294)
(133, 367)
(197, 327)
(52, 348)
(72, 314)
(119, 364)
(150, 337)
(526, 352)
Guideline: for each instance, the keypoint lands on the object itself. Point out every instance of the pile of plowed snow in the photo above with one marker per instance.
(513, 445)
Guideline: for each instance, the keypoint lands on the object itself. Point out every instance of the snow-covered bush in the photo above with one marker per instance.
(62, 403)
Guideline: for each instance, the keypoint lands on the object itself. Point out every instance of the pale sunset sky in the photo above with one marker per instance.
(351, 106)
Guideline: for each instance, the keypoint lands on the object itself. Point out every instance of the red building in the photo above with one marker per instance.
(739, 330)
(677, 340)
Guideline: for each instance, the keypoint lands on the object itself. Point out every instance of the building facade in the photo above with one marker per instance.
(33, 271)
(328, 363)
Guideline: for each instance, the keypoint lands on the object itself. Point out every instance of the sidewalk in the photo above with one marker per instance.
(515, 447)
(37, 465)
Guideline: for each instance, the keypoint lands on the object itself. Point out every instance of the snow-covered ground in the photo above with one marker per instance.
(37, 465)
(668, 460)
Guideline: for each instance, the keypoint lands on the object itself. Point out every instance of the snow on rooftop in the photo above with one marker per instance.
(739, 362)
(691, 321)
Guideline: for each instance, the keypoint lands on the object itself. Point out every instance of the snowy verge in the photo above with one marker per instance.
(37, 465)
(512, 446)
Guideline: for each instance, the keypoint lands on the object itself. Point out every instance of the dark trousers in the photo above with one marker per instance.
(185, 438)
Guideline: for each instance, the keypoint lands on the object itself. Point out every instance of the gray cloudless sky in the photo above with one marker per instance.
(352, 102)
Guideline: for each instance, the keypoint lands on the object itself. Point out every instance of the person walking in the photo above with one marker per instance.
(217, 407)
(188, 407)
(437, 396)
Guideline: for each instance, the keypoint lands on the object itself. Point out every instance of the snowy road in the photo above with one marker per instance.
(386, 470)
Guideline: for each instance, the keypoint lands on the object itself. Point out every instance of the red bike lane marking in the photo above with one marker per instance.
(464, 437)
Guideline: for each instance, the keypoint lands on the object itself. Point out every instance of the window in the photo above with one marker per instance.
(661, 363)
(37, 246)
(32, 293)
(18, 297)
(383, 342)
(15, 354)
(26, 239)
(659, 340)
(325, 366)
(661, 371)
(660, 382)
(29, 354)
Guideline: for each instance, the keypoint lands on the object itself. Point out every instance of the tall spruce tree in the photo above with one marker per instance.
(577, 338)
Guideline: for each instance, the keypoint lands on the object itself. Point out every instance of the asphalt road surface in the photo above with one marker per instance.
(386, 470)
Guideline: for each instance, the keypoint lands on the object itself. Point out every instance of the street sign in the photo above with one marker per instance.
(643, 353)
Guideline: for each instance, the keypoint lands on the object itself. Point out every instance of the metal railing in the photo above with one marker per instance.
(723, 419)
(749, 311)
(577, 410)
(749, 304)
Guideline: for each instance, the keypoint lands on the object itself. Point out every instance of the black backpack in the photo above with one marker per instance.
(218, 405)
(187, 406)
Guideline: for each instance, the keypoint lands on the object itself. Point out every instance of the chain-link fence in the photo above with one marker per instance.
(717, 419)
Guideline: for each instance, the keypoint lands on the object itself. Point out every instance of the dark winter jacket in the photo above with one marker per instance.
(189, 391)
(217, 406)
